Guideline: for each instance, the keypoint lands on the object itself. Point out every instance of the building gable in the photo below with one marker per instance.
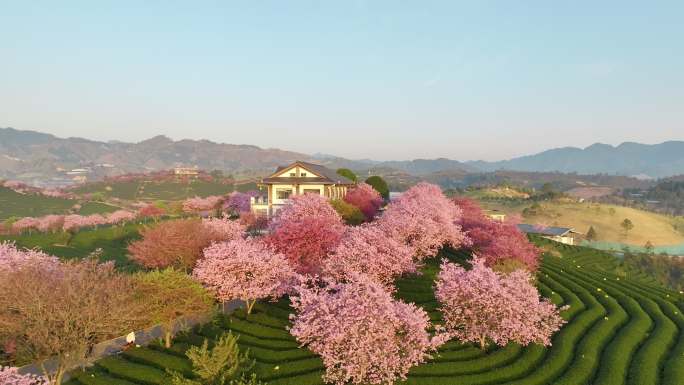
(296, 170)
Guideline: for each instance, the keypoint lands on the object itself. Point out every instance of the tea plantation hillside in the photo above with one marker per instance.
(14, 204)
(168, 190)
(112, 240)
(621, 330)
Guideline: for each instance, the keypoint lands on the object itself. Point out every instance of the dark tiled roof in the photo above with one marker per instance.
(549, 231)
(330, 176)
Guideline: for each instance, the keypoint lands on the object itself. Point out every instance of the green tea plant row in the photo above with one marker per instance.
(619, 331)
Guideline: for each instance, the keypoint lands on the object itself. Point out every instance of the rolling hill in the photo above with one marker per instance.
(655, 161)
(40, 159)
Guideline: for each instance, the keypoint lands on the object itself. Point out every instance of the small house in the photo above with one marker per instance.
(559, 234)
(296, 179)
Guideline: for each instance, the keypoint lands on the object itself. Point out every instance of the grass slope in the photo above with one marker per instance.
(620, 331)
(648, 226)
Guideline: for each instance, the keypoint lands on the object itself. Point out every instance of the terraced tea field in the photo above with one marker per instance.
(164, 190)
(620, 331)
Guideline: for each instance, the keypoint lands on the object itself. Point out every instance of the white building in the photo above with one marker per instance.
(295, 179)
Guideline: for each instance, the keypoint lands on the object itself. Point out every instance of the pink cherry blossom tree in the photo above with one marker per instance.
(120, 216)
(243, 269)
(25, 224)
(367, 249)
(223, 228)
(50, 223)
(239, 202)
(496, 241)
(366, 198)
(423, 218)
(202, 205)
(12, 258)
(305, 231)
(481, 305)
(363, 335)
(150, 211)
(11, 376)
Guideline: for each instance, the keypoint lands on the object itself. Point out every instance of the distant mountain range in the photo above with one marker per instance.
(40, 158)
(633, 159)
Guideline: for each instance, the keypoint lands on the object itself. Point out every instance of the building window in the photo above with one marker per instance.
(312, 191)
(283, 193)
(293, 174)
(302, 174)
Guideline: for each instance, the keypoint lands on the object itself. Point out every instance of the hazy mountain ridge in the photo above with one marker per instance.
(33, 156)
(29, 154)
(654, 160)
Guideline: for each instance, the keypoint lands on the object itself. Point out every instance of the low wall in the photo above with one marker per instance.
(142, 337)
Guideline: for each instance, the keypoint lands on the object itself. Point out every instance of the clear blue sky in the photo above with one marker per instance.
(361, 79)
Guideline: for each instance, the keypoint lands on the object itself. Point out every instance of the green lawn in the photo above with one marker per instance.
(621, 330)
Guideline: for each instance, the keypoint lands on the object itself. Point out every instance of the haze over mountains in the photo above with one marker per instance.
(34, 157)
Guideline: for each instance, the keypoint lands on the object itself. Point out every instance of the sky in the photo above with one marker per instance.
(361, 79)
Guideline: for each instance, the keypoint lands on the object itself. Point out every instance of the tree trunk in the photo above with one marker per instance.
(250, 305)
(167, 339)
(483, 342)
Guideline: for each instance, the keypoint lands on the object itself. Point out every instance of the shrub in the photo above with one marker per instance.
(223, 364)
(362, 334)
(366, 199)
(170, 294)
(379, 185)
(179, 243)
(351, 214)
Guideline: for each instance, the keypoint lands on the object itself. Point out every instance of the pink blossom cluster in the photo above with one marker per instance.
(493, 240)
(363, 335)
(120, 216)
(239, 202)
(150, 210)
(74, 222)
(481, 305)
(25, 224)
(424, 219)
(12, 258)
(71, 222)
(11, 376)
(24, 188)
(202, 205)
(44, 224)
(243, 269)
(368, 250)
(306, 230)
(366, 198)
(224, 228)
